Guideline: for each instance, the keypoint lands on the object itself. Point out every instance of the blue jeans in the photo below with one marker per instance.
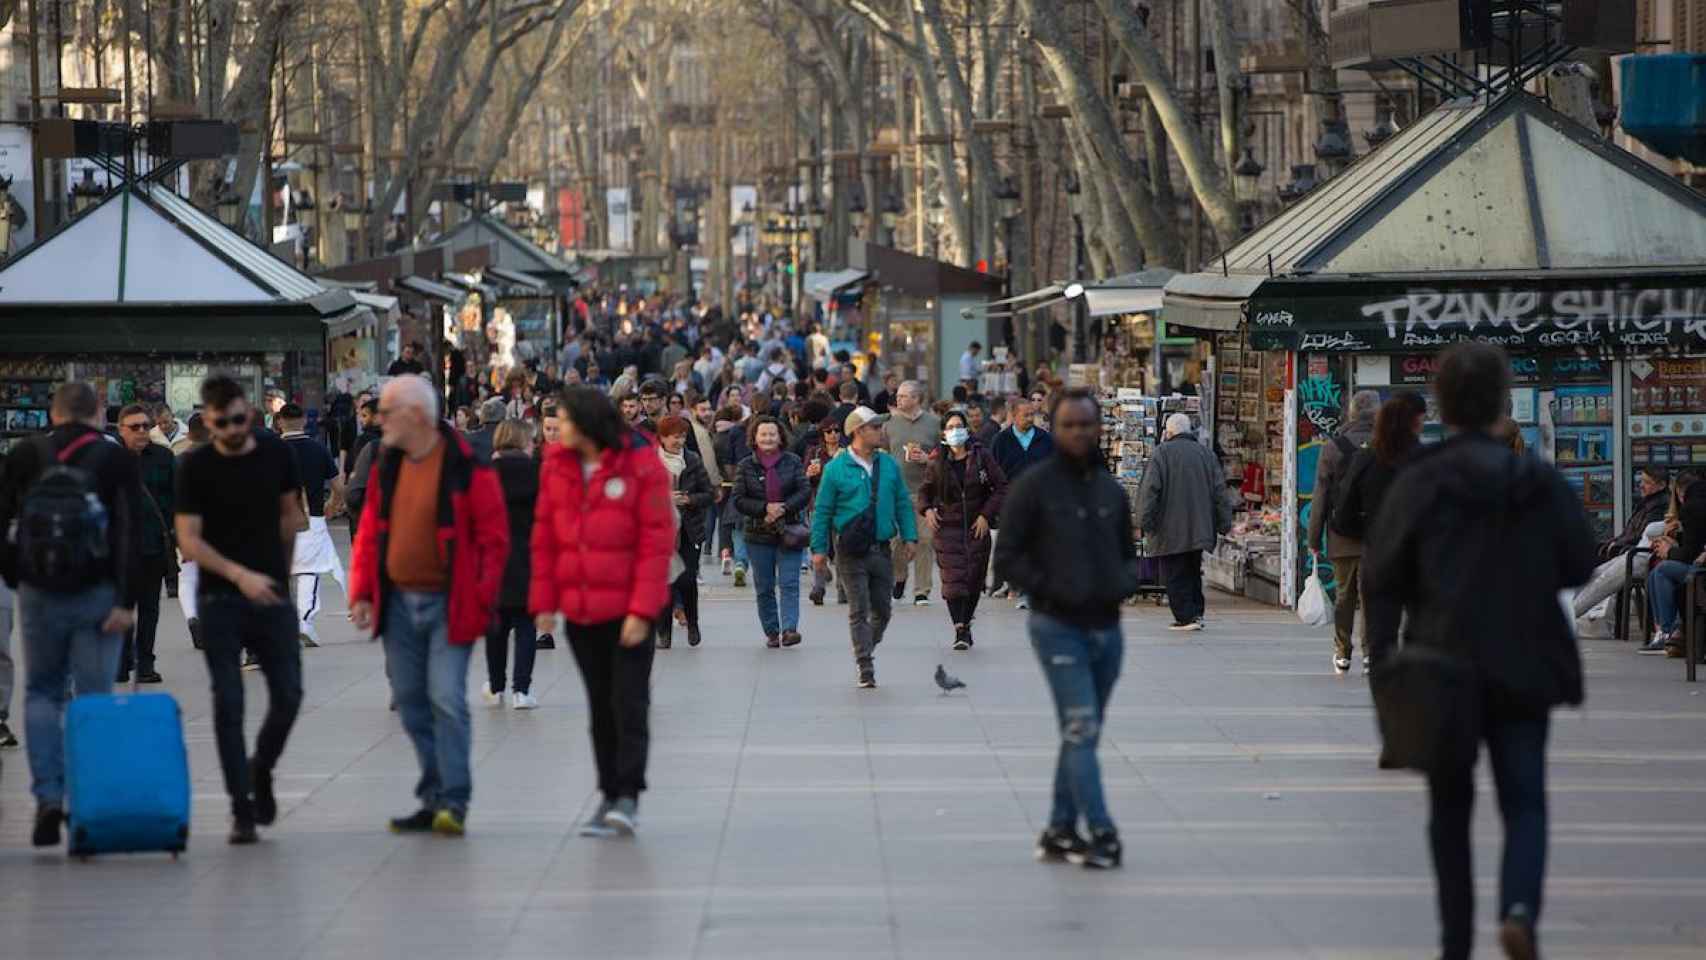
(62, 640)
(1664, 592)
(429, 679)
(1516, 748)
(1081, 666)
(8, 671)
(774, 566)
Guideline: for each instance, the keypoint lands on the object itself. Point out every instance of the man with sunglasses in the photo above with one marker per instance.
(238, 515)
(156, 465)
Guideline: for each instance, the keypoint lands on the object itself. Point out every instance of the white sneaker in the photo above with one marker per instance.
(1023, 604)
(1341, 664)
(523, 701)
(728, 566)
(492, 698)
(1191, 627)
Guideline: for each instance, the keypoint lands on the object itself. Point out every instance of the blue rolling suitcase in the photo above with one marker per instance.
(127, 774)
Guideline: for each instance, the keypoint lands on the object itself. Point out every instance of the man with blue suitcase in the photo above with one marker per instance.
(238, 516)
(69, 502)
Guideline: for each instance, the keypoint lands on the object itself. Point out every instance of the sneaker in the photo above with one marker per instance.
(1061, 846)
(867, 679)
(728, 566)
(123, 677)
(595, 825)
(48, 820)
(920, 600)
(265, 803)
(623, 816)
(998, 590)
(150, 676)
(545, 642)
(1655, 646)
(665, 639)
(772, 640)
(308, 643)
(195, 632)
(1023, 604)
(962, 637)
(523, 701)
(791, 638)
(693, 635)
(243, 832)
(449, 823)
(249, 661)
(817, 595)
(900, 590)
(1190, 627)
(1104, 852)
(7, 738)
(490, 697)
(740, 576)
(418, 822)
(1341, 664)
(1516, 935)
(1365, 664)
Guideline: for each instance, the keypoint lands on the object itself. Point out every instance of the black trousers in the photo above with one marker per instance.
(618, 695)
(1182, 575)
(505, 623)
(685, 590)
(230, 623)
(138, 652)
(962, 609)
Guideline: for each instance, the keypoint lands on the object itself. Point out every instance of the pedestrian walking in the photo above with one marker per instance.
(1018, 447)
(1182, 509)
(315, 555)
(157, 550)
(690, 489)
(603, 536)
(960, 501)
(492, 413)
(1343, 552)
(732, 448)
(913, 431)
(239, 513)
(518, 476)
(1357, 493)
(1441, 557)
(863, 508)
(827, 447)
(8, 668)
(75, 590)
(188, 574)
(424, 576)
(1067, 543)
(771, 493)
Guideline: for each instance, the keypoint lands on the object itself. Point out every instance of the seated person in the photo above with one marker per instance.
(1675, 559)
(1655, 501)
(1653, 515)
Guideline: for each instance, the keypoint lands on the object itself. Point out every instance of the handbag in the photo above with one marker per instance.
(796, 536)
(1427, 704)
(859, 536)
(171, 535)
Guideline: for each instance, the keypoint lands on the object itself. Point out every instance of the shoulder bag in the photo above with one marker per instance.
(859, 536)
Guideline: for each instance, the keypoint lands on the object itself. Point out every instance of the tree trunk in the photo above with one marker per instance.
(982, 157)
(948, 175)
(1227, 79)
(1105, 219)
(1213, 191)
(249, 96)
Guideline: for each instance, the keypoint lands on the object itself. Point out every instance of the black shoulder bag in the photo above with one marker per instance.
(860, 535)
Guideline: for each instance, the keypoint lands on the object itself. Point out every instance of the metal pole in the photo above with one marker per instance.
(36, 185)
(1081, 307)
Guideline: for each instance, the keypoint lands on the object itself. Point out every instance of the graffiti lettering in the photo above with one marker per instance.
(1591, 314)
(1274, 318)
(1342, 341)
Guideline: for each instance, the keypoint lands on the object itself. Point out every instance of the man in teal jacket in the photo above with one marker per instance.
(843, 495)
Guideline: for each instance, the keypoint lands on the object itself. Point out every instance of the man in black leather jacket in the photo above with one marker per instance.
(1066, 542)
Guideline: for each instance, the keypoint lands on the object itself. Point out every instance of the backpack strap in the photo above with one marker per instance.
(65, 455)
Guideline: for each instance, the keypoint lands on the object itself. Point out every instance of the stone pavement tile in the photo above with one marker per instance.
(621, 931)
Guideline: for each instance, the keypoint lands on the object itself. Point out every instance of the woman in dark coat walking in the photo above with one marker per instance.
(961, 496)
(690, 490)
(518, 475)
(771, 494)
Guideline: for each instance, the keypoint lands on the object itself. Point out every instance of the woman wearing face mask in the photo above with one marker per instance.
(961, 496)
(771, 493)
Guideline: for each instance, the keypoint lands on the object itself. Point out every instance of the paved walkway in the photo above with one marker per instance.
(792, 816)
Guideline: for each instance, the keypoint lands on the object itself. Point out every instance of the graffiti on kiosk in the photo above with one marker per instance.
(1323, 401)
(1342, 341)
(1275, 318)
(1573, 317)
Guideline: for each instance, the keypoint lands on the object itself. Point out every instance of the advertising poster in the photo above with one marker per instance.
(19, 206)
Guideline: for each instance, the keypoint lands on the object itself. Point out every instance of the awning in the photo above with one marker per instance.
(521, 281)
(1207, 301)
(431, 289)
(824, 285)
(363, 321)
(466, 281)
(1117, 301)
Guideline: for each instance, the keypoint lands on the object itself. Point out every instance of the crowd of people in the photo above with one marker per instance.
(592, 507)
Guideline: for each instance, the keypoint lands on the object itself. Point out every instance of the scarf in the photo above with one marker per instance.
(772, 477)
(676, 462)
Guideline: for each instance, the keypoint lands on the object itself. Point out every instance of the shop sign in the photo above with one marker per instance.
(1420, 368)
(1602, 317)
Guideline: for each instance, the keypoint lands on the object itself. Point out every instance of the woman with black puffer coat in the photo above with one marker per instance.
(771, 493)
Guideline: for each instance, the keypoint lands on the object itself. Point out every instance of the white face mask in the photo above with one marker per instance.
(957, 436)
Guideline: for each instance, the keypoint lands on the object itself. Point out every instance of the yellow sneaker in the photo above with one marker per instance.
(448, 823)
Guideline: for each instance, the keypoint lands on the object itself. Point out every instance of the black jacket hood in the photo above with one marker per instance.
(1484, 470)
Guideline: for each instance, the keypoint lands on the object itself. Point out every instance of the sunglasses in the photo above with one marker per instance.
(235, 420)
(136, 427)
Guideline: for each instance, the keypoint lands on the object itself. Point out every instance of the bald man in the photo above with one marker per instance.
(428, 602)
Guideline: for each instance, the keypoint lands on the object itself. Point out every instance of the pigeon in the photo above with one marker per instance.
(947, 683)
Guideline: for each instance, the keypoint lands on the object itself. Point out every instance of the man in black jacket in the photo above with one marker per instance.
(156, 467)
(1066, 542)
(1444, 551)
(71, 635)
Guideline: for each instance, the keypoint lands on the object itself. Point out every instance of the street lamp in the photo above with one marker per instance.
(1008, 196)
(1080, 315)
(1384, 128)
(891, 212)
(856, 208)
(1303, 180)
(1074, 193)
(747, 218)
(1249, 171)
(85, 193)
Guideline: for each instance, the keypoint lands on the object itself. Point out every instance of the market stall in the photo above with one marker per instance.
(921, 314)
(144, 295)
(1504, 222)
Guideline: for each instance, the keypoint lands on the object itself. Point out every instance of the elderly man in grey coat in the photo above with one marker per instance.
(1182, 508)
(1344, 552)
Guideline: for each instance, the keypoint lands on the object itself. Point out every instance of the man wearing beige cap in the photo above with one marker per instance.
(862, 504)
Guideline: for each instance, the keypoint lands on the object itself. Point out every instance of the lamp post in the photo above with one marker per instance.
(746, 226)
(891, 214)
(307, 217)
(856, 208)
(85, 193)
(1249, 173)
(355, 217)
(1008, 198)
(936, 213)
(1080, 316)
(815, 216)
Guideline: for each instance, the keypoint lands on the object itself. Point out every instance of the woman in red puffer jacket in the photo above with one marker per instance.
(603, 535)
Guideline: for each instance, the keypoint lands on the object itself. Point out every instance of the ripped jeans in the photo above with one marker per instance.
(1081, 665)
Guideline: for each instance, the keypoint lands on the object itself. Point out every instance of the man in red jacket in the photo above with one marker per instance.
(428, 559)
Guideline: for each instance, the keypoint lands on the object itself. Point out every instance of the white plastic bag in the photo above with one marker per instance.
(1313, 607)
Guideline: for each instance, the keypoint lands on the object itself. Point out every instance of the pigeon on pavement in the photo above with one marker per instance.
(946, 682)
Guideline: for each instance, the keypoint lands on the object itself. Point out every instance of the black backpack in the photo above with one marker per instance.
(1332, 495)
(62, 525)
(1364, 478)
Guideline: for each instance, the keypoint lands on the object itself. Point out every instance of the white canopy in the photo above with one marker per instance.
(823, 285)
